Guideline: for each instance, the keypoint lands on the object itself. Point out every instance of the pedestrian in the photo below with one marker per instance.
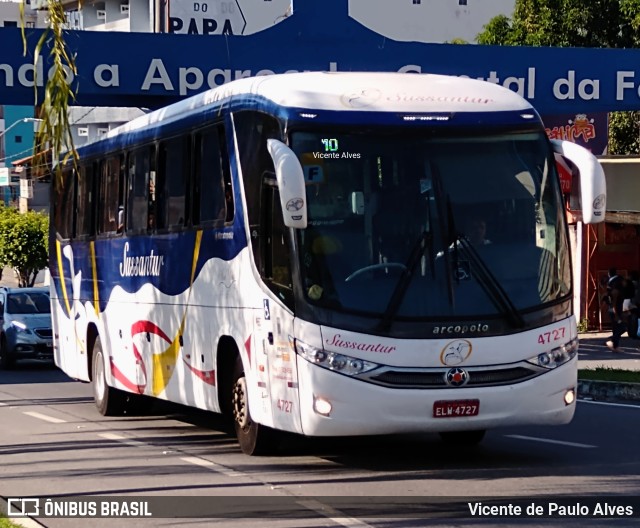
(615, 295)
(628, 293)
(629, 306)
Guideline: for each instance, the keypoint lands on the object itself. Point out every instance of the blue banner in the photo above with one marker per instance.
(151, 70)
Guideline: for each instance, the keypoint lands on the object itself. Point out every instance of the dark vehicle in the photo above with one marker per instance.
(25, 330)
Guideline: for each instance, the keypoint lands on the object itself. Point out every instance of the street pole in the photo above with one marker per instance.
(18, 122)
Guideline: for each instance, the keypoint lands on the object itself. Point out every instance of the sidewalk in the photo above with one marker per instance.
(594, 353)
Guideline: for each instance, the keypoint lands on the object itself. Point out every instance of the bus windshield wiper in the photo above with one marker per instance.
(447, 237)
(489, 282)
(483, 274)
(423, 242)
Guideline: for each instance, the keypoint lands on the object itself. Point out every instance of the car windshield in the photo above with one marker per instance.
(387, 213)
(28, 303)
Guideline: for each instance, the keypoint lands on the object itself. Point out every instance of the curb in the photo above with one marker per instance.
(610, 391)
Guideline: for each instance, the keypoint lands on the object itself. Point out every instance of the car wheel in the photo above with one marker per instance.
(7, 360)
(108, 400)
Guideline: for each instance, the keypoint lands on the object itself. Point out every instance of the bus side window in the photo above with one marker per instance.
(85, 201)
(172, 186)
(109, 195)
(211, 200)
(252, 131)
(154, 206)
(226, 177)
(138, 205)
(64, 196)
(121, 213)
(276, 256)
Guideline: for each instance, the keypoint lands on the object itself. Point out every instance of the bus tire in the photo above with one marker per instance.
(138, 404)
(254, 438)
(7, 361)
(109, 401)
(463, 438)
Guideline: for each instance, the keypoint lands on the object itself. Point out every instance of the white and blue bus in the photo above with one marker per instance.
(293, 251)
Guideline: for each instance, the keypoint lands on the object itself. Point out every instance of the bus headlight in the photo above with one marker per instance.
(332, 361)
(557, 356)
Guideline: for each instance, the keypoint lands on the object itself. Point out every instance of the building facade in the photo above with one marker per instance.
(16, 124)
(428, 20)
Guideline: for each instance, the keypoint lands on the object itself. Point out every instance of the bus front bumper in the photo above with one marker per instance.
(361, 408)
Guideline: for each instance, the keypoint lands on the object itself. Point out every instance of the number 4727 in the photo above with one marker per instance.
(553, 335)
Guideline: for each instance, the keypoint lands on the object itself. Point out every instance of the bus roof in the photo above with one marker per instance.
(350, 91)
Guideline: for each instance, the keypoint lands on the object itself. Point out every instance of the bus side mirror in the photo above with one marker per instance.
(290, 177)
(593, 187)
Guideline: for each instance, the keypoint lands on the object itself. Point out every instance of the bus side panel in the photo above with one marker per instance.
(219, 307)
(277, 348)
(165, 345)
(71, 311)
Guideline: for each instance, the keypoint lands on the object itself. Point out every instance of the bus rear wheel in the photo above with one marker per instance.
(109, 401)
(254, 438)
(463, 438)
(7, 361)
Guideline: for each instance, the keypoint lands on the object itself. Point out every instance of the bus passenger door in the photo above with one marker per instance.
(275, 268)
(283, 376)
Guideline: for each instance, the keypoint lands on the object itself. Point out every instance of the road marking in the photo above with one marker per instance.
(549, 441)
(212, 465)
(191, 460)
(332, 514)
(44, 417)
(611, 404)
(122, 440)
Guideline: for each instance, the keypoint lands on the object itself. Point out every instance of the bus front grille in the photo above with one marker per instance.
(436, 378)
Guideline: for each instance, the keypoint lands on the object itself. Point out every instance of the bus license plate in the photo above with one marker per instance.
(455, 408)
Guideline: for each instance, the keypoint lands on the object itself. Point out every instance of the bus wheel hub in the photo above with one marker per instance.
(239, 402)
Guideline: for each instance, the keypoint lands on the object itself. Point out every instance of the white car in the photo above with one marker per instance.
(25, 330)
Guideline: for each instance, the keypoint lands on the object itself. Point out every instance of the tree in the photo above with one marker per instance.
(7, 215)
(497, 32)
(24, 238)
(562, 23)
(54, 136)
(576, 23)
(624, 132)
(24, 244)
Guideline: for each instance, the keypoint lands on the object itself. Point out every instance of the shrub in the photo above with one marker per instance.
(24, 244)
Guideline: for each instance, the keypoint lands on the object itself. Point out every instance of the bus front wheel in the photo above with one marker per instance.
(463, 438)
(254, 438)
(109, 401)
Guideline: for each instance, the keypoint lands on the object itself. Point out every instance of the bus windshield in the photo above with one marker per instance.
(424, 226)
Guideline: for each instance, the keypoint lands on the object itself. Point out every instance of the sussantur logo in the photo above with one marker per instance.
(456, 377)
(599, 201)
(295, 204)
(361, 99)
(455, 352)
